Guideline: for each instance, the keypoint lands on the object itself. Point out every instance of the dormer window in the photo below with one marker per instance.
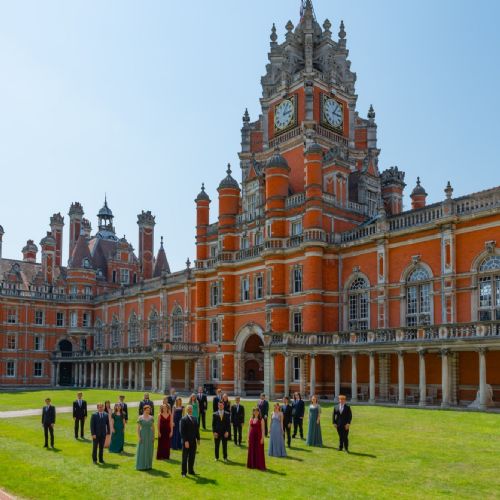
(86, 263)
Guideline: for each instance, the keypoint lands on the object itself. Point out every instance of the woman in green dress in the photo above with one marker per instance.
(196, 407)
(314, 431)
(117, 430)
(145, 440)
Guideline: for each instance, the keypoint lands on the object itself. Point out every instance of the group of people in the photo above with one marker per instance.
(178, 427)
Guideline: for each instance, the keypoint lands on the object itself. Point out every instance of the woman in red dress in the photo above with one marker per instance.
(256, 458)
(165, 431)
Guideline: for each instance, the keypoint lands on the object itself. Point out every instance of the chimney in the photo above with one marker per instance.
(418, 196)
(30, 251)
(56, 226)
(48, 245)
(146, 223)
(75, 225)
(392, 185)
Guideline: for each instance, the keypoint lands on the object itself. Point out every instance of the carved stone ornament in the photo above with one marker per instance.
(355, 269)
(415, 259)
(490, 246)
(443, 332)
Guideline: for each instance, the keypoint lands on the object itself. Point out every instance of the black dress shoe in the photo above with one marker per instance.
(339, 449)
(95, 462)
(45, 445)
(193, 473)
(102, 462)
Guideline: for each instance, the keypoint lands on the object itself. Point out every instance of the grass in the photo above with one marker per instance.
(408, 453)
(21, 400)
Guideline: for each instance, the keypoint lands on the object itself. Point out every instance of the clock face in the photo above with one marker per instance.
(284, 115)
(333, 112)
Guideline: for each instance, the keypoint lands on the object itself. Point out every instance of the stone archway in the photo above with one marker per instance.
(65, 369)
(249, 360)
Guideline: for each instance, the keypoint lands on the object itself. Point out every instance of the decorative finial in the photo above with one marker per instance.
(188, 263)
(371, 113)
(202, 188)
(273, 36)
(228, 171)
(342, 33)
(448, 191)
(161, 241)
(246, 116)
(326, 26)
(289, 26)
(418, 181)
(105, 200)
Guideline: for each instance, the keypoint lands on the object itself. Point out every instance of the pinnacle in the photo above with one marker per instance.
(342, 33)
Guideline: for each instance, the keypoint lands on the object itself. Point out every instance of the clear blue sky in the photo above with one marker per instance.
(143, 101)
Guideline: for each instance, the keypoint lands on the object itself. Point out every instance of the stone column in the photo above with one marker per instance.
(286, 375)
(84, 374)
(372, 378)
(354, 378)
(337, 377)
(187, 368)
(120, 382)
(302, 376)
(154, 379)
(58, 372)
(267, 372)
(271, 377)
(110, 375)
(483, 399)
(102, 375)
(91, 374)
(166, 373)
(199, 374)
(142, 370)
(96, 375)
(74, 374)
(401, 378)
(136, 375)
(312, 385)
(384, 366)
(53, 374)
(445, 382)
(237, 373)
(422, 382)
(130, 375)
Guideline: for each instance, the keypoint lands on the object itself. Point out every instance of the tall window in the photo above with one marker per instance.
(153, 327)
(296, 369)
(215, 368)
(11, 342)
(133, 331)
(244, 242)
(177, 325)
(11, 368)
(214, 294)
(37, 369)
(259, 286)
(60, 319)
(38, 317)
(86, 319)
(74, 319)
(252, 202)
(297, 279)
(83, 343)
(258, 239)
(124, 276)
(38, 343)
(215, 333)
(12, 316)
(115, 333)
(245, 288)
(418, 298)
(297, 321)
(98, 336)
(358, 304)
(489, 289)
(296, 229)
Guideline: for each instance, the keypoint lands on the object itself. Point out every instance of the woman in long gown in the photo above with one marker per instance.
(117, 430)
(145, 440)
(255, 457)
(276, 441)
(196, 407)
(165, 431)
(176, 444)
(314, 430)
(108, 411)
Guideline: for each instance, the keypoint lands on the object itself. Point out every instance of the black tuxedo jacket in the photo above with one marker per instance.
(298, 408)
(124, 410)
(171, 401)
(287, 414)
(99, 426)
(221, 425)
(263, 407)
(189, 429)
(79, 411)
(342, 418)
(202, 402)
(145, 402)
(237, 414)
(48, 415)
(215, 403)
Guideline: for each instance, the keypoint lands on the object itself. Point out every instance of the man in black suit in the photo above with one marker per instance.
(99, 428)
(79, 414)
(144, 402)
(48, 421)
(124, 408)
(237, 419)
(217, 398)
(202, 405)
(286, 408)
(264, 410)
(190, 438)
(342, 416)
(171, 399)
(298, 409)
(221, 427)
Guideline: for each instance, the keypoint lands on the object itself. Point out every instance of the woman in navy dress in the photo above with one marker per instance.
(176, 436)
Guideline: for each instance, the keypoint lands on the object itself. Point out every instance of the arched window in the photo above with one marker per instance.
(359, 300)
(153, 327)
(115, 333)
(489, 289)
(133, 331)
(98, 335)
(177, 325)
(418, 297)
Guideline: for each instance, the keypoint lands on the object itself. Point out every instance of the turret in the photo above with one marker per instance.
(48, 245)
(29, 251)
(56, 226)
(161, 262)
(2, 232)
(202, 221)
(146, 223)
(371, 129)
(392, 186)
(314, 186)
(229, 202)
(75, 225)
(418, 196)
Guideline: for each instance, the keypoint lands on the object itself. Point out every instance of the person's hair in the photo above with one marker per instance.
(118, 407)
(342, 396)
(79, 393)
(146, 406)
(276, 404)
(256, 409)
(286, 398)
(167, 406)
(313, 398)
(225, 396)
(189, 406)
(237, 397)
(47, 399)
(177, 401)
(221, 402)
(121, 396)
(193, 396)
(106, 403)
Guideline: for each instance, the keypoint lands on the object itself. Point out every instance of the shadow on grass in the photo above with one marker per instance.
(288, 457)
(368, 455)
(294, 448)
(173, 461)
(127, 454)
(109, 466)
(156, 473)
(231, 463)
(85, 440)
(201, 480)
(130, 445)
(55, 450)
(275, 472)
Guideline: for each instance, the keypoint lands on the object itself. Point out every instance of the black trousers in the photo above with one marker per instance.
(46, 430)
(343, 437)
(202, 415)
(98, 442)
(237, 431)
(188, 456)
(217, 442)
(288, 433)
(79, 422)
(297, 424)
(265, 425)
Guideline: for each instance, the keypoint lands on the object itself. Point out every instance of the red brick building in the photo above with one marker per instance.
(313, 278)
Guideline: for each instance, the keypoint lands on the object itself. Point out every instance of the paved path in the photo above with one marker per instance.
(5, 496)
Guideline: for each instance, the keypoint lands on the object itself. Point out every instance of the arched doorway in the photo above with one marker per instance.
(249, 360)
(66, 348)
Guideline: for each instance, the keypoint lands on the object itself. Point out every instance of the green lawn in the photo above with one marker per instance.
(20, 400)
(394, 452)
